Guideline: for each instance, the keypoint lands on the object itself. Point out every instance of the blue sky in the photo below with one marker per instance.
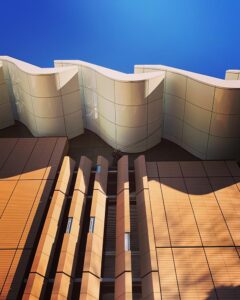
(197, 35)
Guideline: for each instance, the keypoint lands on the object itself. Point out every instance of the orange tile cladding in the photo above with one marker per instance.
(90, 286)
(188, 226)
(148, 258)
(69, 250)
(46, 245)
(123, 266)
(23, 200)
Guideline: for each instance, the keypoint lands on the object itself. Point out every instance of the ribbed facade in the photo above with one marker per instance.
(160, 230)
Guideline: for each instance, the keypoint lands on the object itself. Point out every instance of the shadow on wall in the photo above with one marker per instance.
(225, 293)
(200, 113)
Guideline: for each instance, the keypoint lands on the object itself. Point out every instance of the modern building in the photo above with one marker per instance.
(158, 220)
(130, 112)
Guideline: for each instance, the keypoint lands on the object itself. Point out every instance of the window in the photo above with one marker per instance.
(127, 241)
(98, 168)
(91, 225)
(69, 225)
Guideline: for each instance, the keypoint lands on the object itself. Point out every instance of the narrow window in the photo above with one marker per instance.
(98, 168)
(69, 225)
(127, 241)
(91, 225)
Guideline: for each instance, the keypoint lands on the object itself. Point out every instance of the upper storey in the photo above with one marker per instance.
(131, 112)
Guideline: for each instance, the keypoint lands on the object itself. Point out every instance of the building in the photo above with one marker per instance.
(130, 112)
(75, 225)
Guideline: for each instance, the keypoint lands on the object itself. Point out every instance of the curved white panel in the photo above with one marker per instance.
(201, 113)
(121, 107)
(47, 101)
(131, 112)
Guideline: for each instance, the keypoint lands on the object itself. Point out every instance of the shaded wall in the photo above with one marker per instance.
(201, 113)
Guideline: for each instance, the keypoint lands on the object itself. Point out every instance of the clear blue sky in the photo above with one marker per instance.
(197, 35)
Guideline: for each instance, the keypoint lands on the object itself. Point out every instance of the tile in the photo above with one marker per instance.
(225, 125)
(194, 151)
(226, 101)
(6, 115)
(47, 107)
(28, 101)
(131, 116)
(61, 286)
(4, 98)
(197, 117)
(200, 94)
(173, 128)
(107, 109)
(23, 81)
(74, 124)
(44, 85)
(123, 176)
(16, 89)
(154, 138)
(6, 260)
(155, 88)
(131, 136)
(150, 286)
(90, 98)
(174, 106)
(123, 286)
(38, 161)
(216, 168)
(130, 93)
(195, 138)
(51, 126)
(155, 110)
(169, 169)
(223, 148)
(92, 120)
(90, 286)
(176, 84)
(105, 87)
(71, 103)
(68, 80)
(89, 78)
(107, 129)
(233, 168)
(80, 76)
(192, 169)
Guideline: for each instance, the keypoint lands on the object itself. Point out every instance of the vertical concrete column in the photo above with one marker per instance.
(123, 266)
(90, 286)
(46, 246)
(67, 261)
(149, 265)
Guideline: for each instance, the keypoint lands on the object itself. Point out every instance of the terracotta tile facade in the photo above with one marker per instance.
(53, 227)
(25, 188)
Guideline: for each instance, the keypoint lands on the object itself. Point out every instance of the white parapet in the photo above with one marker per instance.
(201, 113)
(131, 112)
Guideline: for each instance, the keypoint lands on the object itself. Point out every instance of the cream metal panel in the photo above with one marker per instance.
(47, 101)
(201, 113)
(131, 112)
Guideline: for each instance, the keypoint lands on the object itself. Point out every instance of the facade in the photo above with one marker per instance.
(159, 230)
(131, 112)
(128, 229)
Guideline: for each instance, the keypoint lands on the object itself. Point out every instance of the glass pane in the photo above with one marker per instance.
(91, 225)
(69, 225)
(98, 168)
(127, 241)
